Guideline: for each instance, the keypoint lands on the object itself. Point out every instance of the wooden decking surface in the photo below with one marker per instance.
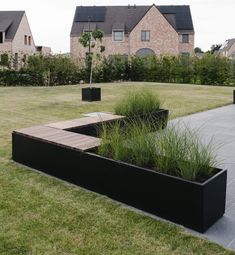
(57, 133)
(85, 121)
(61, 137)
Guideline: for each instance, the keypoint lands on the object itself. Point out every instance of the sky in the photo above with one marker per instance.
(51, 20)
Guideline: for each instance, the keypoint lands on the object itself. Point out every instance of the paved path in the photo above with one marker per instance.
(220, 124)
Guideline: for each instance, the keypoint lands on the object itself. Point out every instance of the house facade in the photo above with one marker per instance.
(135, 30)
(16, 39)
(228, 48)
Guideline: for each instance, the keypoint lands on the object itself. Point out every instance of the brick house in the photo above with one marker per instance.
(16, 38)
(228, 48)
(135, 30)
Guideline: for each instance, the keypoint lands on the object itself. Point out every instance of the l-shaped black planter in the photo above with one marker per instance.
(194, 205)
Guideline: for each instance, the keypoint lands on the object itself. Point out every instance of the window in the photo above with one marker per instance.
(29, 40)
(185, 38)
(145, 52)
(25, 39)
(1, 37)
(145, 36)
(118, 36)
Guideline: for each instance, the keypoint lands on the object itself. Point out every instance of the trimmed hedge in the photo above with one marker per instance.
(43, 71)
(211, 69)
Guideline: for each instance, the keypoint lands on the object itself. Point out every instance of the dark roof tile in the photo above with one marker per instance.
(9, 22)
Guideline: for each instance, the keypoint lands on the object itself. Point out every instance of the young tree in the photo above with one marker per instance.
(92, 40)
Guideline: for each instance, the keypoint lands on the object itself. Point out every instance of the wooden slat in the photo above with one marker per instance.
(56, 132)
(61, 137)
(37, 130)
(85, 121)
(78, 141)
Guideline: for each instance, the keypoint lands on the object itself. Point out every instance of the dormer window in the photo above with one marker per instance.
(1, 37)
(118, 35)
(185, 38)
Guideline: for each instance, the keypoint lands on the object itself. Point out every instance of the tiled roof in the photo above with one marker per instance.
(9, 22)
(107, 17)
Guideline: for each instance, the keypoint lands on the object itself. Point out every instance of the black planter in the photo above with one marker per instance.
(91, 94)
(194, 205)
(158, 118)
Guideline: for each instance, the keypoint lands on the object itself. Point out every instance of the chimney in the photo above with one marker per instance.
(129, 6)
(134, 6)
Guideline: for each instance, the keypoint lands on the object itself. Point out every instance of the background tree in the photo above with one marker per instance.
(215, 47)
(198, 50)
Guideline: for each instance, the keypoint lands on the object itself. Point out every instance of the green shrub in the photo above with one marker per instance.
(212, 70)
(138, 103)
(138, 68)
(4, 60)
(174, 151)
(44, 71)
(21, 78)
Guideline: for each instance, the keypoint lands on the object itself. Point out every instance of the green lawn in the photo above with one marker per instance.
(42, 215)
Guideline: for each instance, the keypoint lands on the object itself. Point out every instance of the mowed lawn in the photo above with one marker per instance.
(43, 215)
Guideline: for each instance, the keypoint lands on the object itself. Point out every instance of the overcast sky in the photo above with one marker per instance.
(51, 20)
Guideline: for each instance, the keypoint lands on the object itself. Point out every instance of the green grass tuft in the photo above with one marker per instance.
(180, 152)
(173, 151)
(140, 102)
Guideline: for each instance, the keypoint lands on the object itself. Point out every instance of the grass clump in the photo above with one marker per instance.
(138, 103)
(179, 152)
(131, 143)
(174, 151)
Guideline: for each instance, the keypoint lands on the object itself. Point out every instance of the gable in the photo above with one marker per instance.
(163, 37)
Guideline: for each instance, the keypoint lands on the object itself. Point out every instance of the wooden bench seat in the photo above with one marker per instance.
(60, 137)
(85, 121)
(60, 133)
